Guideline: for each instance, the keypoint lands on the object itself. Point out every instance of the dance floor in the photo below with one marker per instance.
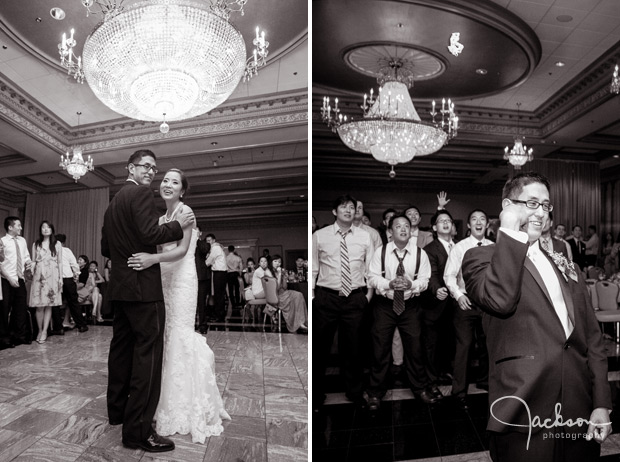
(405, 429)
(53, 404)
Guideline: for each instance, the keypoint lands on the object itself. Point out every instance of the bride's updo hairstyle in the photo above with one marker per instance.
(184, 183)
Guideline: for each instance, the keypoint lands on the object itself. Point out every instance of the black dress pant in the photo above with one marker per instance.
(333, 313)
(204, 286)
(219, 294)
(135, 366)
(468, 330)
(547, 445)
(14, 303)
(233, 288)
(69, 289)
(409, 324)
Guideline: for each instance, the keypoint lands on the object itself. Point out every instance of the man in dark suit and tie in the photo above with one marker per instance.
(438, 305)
(546, 353)
(134, 366)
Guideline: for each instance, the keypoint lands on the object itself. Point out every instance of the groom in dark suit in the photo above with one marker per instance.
(134, 366)
(545, 348)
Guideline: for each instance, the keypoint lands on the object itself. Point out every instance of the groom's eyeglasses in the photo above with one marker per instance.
(147, 167)
(532, 204)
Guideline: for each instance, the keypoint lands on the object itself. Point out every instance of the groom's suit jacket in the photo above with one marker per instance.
(130, 226)
(529, 354)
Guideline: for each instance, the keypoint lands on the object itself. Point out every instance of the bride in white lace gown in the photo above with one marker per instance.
(190, 401)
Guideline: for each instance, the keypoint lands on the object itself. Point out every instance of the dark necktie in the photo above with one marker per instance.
(345, 269)
(399, 295)
(479, 244)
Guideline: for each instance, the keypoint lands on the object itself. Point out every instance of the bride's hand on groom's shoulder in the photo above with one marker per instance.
(141, 261)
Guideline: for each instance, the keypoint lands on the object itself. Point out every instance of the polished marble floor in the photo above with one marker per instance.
(53, 405)
(405, 429)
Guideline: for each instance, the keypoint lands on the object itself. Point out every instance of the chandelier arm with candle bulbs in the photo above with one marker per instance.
(391, 129)
(181, 58)
(615, 82)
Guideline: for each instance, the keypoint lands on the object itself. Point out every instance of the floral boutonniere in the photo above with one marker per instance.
(566, 267)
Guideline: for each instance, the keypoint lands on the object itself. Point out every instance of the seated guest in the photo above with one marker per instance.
(264, 269)
(89, 293)
(83, 264)
(399, 274)
(301, 268)
(248, 272)
(292, 303)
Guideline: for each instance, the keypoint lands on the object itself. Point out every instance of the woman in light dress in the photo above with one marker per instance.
(46, 289)
(190, 401)
(292, 303)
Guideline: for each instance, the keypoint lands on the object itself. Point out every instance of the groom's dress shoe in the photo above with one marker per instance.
(154, 443)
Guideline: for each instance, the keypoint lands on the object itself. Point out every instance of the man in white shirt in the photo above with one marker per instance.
(341, 255)
(399, 275)
(467, 317)
(592, 244)
(234, 267)
(16, 263)
(357, 221)
(217, 261)
(70, 274)
(547, 359)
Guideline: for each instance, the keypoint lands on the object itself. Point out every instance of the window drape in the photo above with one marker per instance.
(77, 214)
(611, 208)
(575, 192)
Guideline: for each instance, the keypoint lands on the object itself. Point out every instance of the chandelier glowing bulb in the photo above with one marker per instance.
(391, 129)
(181, 58)
(615, 82)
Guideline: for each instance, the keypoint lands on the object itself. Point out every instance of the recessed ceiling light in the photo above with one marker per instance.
(213, 143)
(481, 71)
(57, 13)
(38, 20)
(400, 25)
(564, 18)
(616, 156)
(560, 64)
(220, 157)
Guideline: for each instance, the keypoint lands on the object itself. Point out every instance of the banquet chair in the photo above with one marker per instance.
(594, 272)
(607, 294)
(270, 288)
(253, 303)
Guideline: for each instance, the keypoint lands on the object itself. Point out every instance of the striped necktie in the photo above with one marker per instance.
(345, 268)
(18, 263)
(399, 295)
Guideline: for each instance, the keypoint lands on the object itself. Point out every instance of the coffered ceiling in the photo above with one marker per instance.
(555, 57)
(246, 160)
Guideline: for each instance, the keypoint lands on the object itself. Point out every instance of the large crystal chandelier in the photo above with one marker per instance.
(519, 154)
(164, 60)
(74, 164)
(391, 129)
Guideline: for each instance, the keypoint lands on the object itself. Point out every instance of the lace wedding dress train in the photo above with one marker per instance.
(190, 401)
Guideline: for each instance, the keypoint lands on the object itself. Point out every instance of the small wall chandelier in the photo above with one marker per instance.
(164, 60)
(615, 82)
(391, 129)
(519, 154)
(75, 165)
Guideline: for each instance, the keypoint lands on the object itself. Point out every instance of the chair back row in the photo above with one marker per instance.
(607, 294)
(271, 290)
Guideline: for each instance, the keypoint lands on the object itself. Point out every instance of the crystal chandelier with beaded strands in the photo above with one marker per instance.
(519, 154)
(74, 164)
(164, 60)
(390, 128)
(615, 82)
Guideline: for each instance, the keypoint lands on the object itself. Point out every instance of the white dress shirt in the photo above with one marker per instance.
(216, 259)
(382, 283)
(8, 266)
(326, 257)
(375, 237)
(452, 274)
(549, 277)
(69, 263)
